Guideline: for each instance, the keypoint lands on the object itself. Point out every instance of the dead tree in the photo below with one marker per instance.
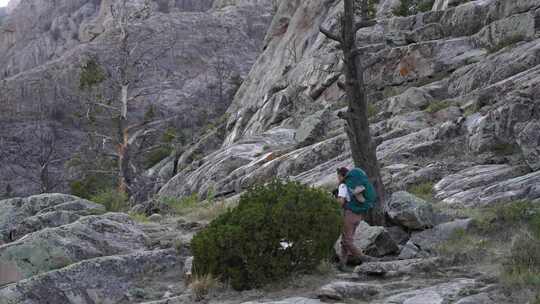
(356, 117)
(135, 55)
(34, 162)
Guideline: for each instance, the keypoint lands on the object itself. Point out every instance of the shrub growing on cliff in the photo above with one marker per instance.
(276, 230)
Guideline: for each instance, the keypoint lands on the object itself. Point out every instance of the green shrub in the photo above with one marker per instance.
(425, 6)
(90, 185)
(522, 266)
(437, 106)
(139, 217)
(91, 74)
(507, 216)
(423, 191)
(157, 155)
(277, 230)
(503, 149)
(506, 42)
(113, 200)
(403, 9)
(372, 110)
(181, 206)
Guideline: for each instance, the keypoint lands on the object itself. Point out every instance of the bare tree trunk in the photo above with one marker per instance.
(357, 127)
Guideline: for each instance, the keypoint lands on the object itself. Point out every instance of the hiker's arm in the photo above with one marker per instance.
(341, 201)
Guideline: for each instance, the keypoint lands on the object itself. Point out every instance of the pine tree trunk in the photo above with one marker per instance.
(357, 127)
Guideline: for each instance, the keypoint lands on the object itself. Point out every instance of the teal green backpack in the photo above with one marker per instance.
(357, 177)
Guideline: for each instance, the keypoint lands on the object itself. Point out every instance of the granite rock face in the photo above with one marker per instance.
(41, 62)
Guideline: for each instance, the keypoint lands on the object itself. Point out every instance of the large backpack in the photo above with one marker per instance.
(358, 178)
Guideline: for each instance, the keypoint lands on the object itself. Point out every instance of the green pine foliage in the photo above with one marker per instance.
(279, 229)
(91, 75)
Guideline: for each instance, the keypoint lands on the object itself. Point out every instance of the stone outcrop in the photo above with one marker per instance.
(87, 238)
(410, 211)
(20, 216)
(372, 240)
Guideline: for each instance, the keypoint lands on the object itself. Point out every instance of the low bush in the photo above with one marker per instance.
(277, 230)
(113, 200)
(437, 106)
(181, 206)
(423, 191)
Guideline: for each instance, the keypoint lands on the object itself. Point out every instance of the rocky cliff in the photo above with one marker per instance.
(454, 91)
(41, 61)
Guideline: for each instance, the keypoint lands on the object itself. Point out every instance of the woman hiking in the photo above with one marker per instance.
(356, 196)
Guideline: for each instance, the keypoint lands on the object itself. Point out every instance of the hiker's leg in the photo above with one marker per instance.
(355, 220)
(350, 223)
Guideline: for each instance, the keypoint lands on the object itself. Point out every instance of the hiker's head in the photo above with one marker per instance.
(341, 173)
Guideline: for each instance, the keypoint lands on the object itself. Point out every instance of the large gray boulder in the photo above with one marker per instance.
(398, 268)
(89, 237)
(131, 278)
(373, 240)
(486, 185)
(430, 239)
(349, 290)
(20, 216)
(529, 142)
(437, 294)
(410, 211)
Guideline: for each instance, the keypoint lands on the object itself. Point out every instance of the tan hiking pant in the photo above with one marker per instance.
(350, 223)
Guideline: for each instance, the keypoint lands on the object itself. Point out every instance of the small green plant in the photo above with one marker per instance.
(503, 149)
(425, 5)
(522, 266)
(90, 185)
(423, 190)
(113, 200)
(157, 155)
(372, 110)
(276, 231)
(437, 106)
(504, 217)
(463, 247)
(506, 42)
(181, 206)
(91, 74)
(404, 9)
(139, 217)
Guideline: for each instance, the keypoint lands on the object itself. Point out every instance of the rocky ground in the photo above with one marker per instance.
(61, 249)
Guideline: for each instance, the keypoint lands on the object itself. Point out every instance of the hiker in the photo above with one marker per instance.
(356, 196)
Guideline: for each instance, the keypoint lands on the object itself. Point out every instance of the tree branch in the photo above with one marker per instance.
(330, 35)
(362, 24)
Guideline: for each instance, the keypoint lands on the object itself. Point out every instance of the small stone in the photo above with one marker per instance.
(155, 217)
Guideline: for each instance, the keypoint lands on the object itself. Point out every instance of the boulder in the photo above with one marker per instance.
(464, 185)
(296, 300)
(437, 294)
(348, 290)
(373, 240)
(19, 216)
(489, 187)
(481, 298)
(428, 240)
(89, 237)
(398, 234)
(398, 268)
(411, 251)
(529, 142)
(124, 278)
(410, 211)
